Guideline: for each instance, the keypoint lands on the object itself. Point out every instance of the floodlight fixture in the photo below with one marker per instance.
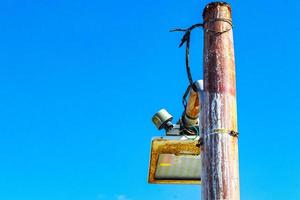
(175, 160)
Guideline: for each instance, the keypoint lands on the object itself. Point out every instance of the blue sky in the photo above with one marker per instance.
(80, 80)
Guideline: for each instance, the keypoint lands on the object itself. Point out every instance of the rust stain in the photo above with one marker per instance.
(165, 146)
(220, 176)
(218, 50)
(193, 105)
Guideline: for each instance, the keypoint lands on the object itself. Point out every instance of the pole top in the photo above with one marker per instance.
(213, 5)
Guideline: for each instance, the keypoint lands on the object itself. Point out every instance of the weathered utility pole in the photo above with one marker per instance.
(220, 175)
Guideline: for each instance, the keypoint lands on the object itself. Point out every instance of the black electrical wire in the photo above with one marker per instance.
(186, 39)
(186, 93)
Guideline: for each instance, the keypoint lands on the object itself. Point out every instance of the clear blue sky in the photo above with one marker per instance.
(80, 80)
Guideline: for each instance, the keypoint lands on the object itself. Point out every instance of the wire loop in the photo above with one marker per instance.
(186, 39)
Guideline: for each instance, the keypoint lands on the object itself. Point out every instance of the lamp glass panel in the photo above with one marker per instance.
(178, 167)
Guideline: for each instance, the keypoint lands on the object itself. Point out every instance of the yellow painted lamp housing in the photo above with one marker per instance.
(175, 160)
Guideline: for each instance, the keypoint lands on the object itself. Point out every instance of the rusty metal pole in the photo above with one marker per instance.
(220, 175)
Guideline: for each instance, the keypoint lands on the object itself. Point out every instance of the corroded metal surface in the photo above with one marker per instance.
(191, 115)
(220, 175)
(193, 105)
(166, 146)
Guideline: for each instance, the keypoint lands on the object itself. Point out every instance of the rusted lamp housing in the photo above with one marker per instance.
(175, 160)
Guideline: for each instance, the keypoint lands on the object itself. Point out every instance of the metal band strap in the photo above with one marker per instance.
(224, 131)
